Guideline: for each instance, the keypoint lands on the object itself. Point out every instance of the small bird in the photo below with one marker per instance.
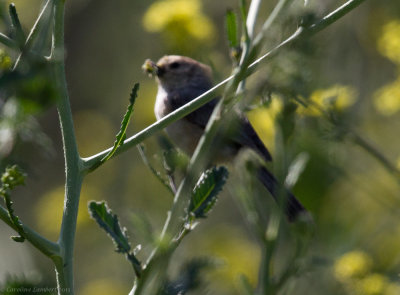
(181, 79)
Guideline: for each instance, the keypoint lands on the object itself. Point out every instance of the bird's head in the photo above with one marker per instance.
(175, 71)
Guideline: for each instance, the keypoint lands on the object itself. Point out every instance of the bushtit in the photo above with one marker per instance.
(181, 79)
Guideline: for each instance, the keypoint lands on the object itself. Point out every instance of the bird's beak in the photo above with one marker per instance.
(151, 68)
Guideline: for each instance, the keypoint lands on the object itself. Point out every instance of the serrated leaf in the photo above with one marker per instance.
(205, 193)
(104, 217)
(107, 220)
(121, 136)
(231, 29)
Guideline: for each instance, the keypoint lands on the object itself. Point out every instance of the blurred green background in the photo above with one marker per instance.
(354, 200)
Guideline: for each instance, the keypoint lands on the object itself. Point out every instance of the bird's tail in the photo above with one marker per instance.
(293, 208)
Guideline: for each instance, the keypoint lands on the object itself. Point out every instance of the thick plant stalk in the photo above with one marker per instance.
(74, 176)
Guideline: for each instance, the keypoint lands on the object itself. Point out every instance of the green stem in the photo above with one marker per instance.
(374, 152)
(74, 175)
(45, 246)
(334, 16)
(210, 94)
(159, 125)
(252, 17)
(8, 41)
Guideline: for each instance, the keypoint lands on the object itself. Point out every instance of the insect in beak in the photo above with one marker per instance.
(151, 68)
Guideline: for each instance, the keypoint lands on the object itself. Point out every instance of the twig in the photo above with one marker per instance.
(45, 246)
(8, 41)
(154, 171)
(374, 152)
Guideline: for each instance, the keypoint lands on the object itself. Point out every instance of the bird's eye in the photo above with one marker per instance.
(175, 65)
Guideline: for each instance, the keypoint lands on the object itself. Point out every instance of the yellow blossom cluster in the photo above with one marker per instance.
(335, 98)
(179, 21)
(5, 60)
(263, 120)
(389, 41)
(354, 271)
(387, 98)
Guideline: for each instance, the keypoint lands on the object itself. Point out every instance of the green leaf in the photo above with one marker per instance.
(206, 191)
(243, 14)
(231, 28)
(105, 218)
(121, 136)
(19, 33)
(11, 178)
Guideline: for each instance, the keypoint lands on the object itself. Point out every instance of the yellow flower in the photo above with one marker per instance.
(389, 41)
(373, 284)
(337, 98)
(387, 98)
(351, 265)
(5, 60)
(263, 120)
(179, 19)
(50, 207)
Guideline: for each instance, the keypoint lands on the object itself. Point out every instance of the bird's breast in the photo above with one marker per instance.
(162, 106)
(185, 134)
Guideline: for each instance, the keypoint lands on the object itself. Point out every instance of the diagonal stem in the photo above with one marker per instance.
(8, 41)
(300, 33)
(45, 246)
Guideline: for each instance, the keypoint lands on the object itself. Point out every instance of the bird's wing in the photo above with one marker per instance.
(248, 137)
(198, 117)
(243, 135)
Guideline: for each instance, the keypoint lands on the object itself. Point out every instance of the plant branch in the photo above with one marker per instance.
(196, 103)
(252, 17)
(375, 153)
(45, 246)
(333, 16)
(74, 175)
(8, 41)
